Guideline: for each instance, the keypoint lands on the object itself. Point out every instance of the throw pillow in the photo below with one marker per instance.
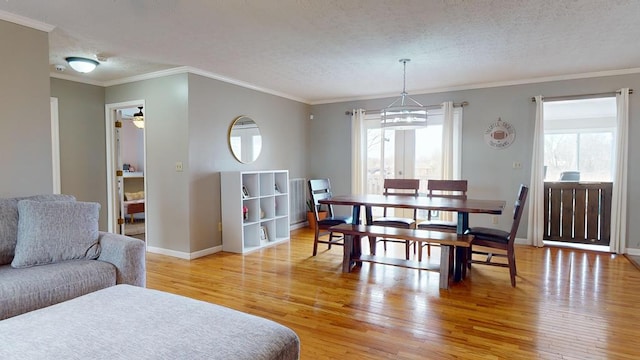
(49, 232)
(9, 222)
(8, 229)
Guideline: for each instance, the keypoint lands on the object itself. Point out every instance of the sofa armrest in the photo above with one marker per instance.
(127, 254)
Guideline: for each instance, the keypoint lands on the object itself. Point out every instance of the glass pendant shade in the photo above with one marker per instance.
(402, 115)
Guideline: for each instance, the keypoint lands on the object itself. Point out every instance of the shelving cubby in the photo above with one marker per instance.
(265, 194)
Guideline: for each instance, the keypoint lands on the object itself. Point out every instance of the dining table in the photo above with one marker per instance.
(462, 206)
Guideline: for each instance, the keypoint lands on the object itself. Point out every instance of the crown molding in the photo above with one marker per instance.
(181, 70)
(246, 85)
(210, 75)
(488, 85)
(147, 76)
(24, 21)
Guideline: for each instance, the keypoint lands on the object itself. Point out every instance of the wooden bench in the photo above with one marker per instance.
(447, 241)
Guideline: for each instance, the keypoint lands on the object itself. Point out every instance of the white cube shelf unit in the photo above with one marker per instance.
(265, 194)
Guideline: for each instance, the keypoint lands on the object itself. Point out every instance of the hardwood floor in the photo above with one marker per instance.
(568, 304)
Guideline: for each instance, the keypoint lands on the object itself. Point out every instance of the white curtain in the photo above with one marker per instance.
(619, 193)
(358, 142)
(536, 187)
(449, 152)
(447, 141)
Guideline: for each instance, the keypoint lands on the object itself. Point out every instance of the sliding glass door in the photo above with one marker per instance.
(405, 154)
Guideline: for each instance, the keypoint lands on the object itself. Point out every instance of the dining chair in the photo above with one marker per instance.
(499, 239)
(320, 189)
(397, 187)
(456, 189)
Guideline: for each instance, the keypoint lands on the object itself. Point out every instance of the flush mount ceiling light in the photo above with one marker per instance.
(138, 118)
(81, 64)
(404, 113)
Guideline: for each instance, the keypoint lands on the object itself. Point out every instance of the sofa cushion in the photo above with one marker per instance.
(9, 222)
(54, 231)
(27, 289)
(127, 322)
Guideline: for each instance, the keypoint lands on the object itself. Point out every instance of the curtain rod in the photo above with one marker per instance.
(435, 106)
(578, 97)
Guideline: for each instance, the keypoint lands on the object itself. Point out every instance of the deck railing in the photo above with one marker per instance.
(577, 212)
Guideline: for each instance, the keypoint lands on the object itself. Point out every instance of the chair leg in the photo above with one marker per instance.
(428, 249)
(512, 274)
(512, 266)
(330, 239)
(465, 262)
(407, 248)
(315, 241)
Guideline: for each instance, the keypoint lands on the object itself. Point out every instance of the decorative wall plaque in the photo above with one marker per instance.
(500, 134)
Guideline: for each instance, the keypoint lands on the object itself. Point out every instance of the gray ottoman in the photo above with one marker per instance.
(128, 322)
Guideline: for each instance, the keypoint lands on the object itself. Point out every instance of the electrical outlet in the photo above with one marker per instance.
(494, 220)
(517, 165)
(179, 166)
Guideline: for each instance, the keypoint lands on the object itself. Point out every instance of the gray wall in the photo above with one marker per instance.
(83, 171)
(167, 138)
(187, 118)
(489, 171)
(25, 136)
(213, 105)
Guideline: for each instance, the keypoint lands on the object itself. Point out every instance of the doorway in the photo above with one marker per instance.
(579, 164)
(126, 160)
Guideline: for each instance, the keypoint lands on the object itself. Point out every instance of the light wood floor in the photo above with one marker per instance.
(568, 304)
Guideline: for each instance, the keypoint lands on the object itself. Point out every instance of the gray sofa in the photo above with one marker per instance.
(51, 251)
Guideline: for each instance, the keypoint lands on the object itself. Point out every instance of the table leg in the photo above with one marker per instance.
(463, 222)
(445, 266)
(355, 215)
(357, 249)
(346, 253)
(368, 215)
(459, 269)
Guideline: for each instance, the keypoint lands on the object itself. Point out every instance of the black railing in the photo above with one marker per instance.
(577, 212)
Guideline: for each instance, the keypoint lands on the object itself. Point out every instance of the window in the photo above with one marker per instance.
(579, 137)
(409, 154)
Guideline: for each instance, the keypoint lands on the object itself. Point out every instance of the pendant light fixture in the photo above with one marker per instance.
(138, 118)
(82, 65)
(405, 113)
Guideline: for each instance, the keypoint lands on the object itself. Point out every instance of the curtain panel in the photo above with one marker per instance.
(535, 232)
(619, 191)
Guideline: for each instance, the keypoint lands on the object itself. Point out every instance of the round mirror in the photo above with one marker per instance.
(245, 140)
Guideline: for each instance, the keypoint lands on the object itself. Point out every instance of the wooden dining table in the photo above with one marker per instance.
(463, 207)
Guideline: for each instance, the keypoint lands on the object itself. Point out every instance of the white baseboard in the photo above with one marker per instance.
(298, 225)
(634, 252)
(522, 241)
(184, 255)
(205, 252)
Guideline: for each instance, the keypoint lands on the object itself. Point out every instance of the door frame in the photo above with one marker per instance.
(112, 166)
(55, 145)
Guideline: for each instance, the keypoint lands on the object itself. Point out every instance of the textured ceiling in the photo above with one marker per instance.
(326, 50)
